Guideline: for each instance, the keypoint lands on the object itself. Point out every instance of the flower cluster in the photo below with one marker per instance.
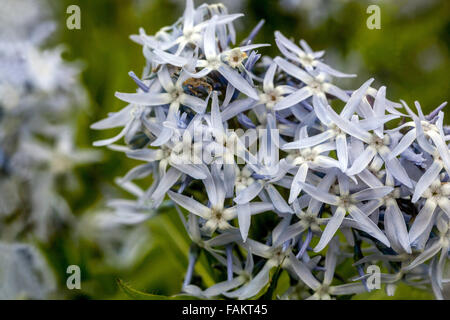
(228, 134)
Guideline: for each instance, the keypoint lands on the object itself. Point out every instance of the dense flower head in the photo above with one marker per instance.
(228, 134)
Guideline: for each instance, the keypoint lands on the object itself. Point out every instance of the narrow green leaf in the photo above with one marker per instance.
(139, 295)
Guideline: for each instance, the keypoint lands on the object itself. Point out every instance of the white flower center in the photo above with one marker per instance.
(309, 221)
(438, 190)
(298, 157)
(270, 98)
(380, 143)
(345, 201)
(214, 63)
(235, 57)
(306, 60)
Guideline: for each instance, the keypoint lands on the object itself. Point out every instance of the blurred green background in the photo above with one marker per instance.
(409, 54)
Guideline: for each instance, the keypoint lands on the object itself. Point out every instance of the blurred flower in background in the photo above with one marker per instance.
(315, 12)
(40, 95)
(24, 273)
(123, 245)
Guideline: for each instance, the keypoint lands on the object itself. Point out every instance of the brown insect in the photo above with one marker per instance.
(198, 86)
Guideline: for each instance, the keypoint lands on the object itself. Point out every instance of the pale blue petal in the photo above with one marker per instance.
(244, 218)
(210, 39)
(379, 107)
(165, 80)
(427, 254)
(288, 43)
(278, 201)
(293, 70)
(303, 273)
(196, 104)
(368, 225)
(320, 194)
(117, 119)
(442, 148)
(330, 230)
(422, 221)
(295, 187)
(291, 232)
(106, 142)
(224, 286)
(309, 142)
(398, 171)
(368, 178)
(249, 193)
(216, 118)
(362, 161)
(403, 144)
(320, 110)
(145, 99)
(331, 71)
(238, 81)
(166, 182)
(293, 98)
(371, 193)
(268, 78)
(236, 107)
(256, 284)
(349, 127)
(171, 58)
(190, 204)
(144, 154)
(337, 92)
(192, 170)
(259, 207)
(426, 180)
(330, 261)
(395, 226)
